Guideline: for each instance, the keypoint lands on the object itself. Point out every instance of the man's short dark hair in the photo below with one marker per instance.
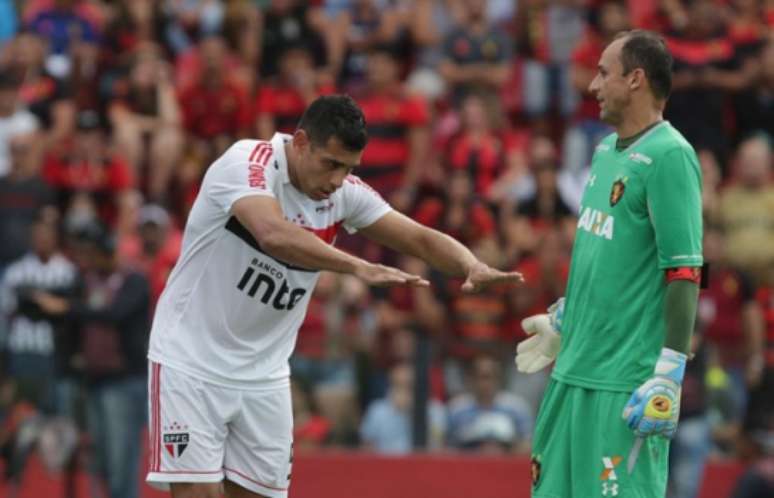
(648, 51)
(335, 116)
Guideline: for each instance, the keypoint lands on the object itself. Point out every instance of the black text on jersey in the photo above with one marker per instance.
(262, 277)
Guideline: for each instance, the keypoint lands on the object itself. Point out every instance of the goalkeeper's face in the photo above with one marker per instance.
(610, 86)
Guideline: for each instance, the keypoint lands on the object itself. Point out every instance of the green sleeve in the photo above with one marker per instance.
(680, 305)
(674, 204)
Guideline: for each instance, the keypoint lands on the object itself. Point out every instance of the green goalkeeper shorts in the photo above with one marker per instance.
(581, 445)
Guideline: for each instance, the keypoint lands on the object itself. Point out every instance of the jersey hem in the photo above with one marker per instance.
(587, 383)
(252, 385)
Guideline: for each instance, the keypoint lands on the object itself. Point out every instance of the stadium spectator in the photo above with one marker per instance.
(487, 418)
(586, 129)
(114, 317)
(706, 66)
(86, 165)
(757, 481)
(732, 325)
(368, 24)
(460, 212)
(324, 358)
(23, 194)
(547, 53)
(216, 109)
(9, 22)
(293, 22)
(134, 23)
(476, 54)
(535, 203)
(747, 28)
(397, 125)
(146, 120)
(386, 426)
(311, 431)
(15, 119)
(281, 101)
(49, 98)
(479, 147)
(546, 206)
(63, 27)
(755, 106)
(38, 348)
(191, 20)
(692, 444)
(711, 178)
(747, 207)
(152, 248)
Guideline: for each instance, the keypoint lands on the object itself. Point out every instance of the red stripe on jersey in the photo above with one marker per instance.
(152, 433)
(263, 157)
(258, 146)
(259, 150)
(327, 234)
(157, 396)
(691, 273)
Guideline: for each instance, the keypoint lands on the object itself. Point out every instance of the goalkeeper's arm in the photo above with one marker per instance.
(654, 407)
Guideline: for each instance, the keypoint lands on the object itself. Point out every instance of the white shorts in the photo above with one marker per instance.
(202, 432)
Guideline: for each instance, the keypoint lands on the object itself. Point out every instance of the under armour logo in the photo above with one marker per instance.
(609, 488)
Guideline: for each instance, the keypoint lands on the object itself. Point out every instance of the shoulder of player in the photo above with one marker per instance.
(252, 154)
(607, 143)
(354, 184)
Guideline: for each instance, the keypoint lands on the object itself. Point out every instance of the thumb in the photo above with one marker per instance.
(530, 324)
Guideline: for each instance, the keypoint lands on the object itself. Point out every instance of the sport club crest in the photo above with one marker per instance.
(619, 187)
(176, 441)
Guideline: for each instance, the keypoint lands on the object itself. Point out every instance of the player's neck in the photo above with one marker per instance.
(635, 122)
(290, 155)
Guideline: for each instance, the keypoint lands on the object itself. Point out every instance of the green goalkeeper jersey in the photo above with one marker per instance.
(640, 214)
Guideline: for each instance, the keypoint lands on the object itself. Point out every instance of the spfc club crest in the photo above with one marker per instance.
(535, 468)
(176, 442)
(617, 192)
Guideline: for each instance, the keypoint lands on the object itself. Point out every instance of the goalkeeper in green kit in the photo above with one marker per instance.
(621, 334)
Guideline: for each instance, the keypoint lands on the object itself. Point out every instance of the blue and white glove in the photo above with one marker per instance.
(654, 407)
(537, 352)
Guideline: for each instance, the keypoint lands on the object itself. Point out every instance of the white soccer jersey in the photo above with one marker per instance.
(230, 313)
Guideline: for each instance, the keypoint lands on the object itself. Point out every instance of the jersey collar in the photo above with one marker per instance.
(278, 142)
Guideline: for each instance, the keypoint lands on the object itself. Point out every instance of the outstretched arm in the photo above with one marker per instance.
(262, 217)
(402, 234)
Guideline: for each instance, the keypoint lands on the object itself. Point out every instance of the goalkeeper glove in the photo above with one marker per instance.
(538, 351)
(654, 407)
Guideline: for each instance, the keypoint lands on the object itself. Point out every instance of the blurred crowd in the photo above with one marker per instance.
(480, 125)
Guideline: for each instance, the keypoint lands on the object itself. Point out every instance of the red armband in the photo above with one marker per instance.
(692, 273)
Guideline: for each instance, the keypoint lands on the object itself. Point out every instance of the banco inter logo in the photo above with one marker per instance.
(269, 284)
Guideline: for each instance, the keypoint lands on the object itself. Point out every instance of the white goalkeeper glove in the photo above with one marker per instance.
(537, 352)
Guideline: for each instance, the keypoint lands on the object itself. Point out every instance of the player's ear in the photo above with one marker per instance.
(300, 140)
(636, 78)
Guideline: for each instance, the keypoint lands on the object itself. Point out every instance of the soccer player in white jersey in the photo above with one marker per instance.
(261, 229)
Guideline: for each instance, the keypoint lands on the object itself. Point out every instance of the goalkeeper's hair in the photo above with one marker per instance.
(335, 116)
(648, 51)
